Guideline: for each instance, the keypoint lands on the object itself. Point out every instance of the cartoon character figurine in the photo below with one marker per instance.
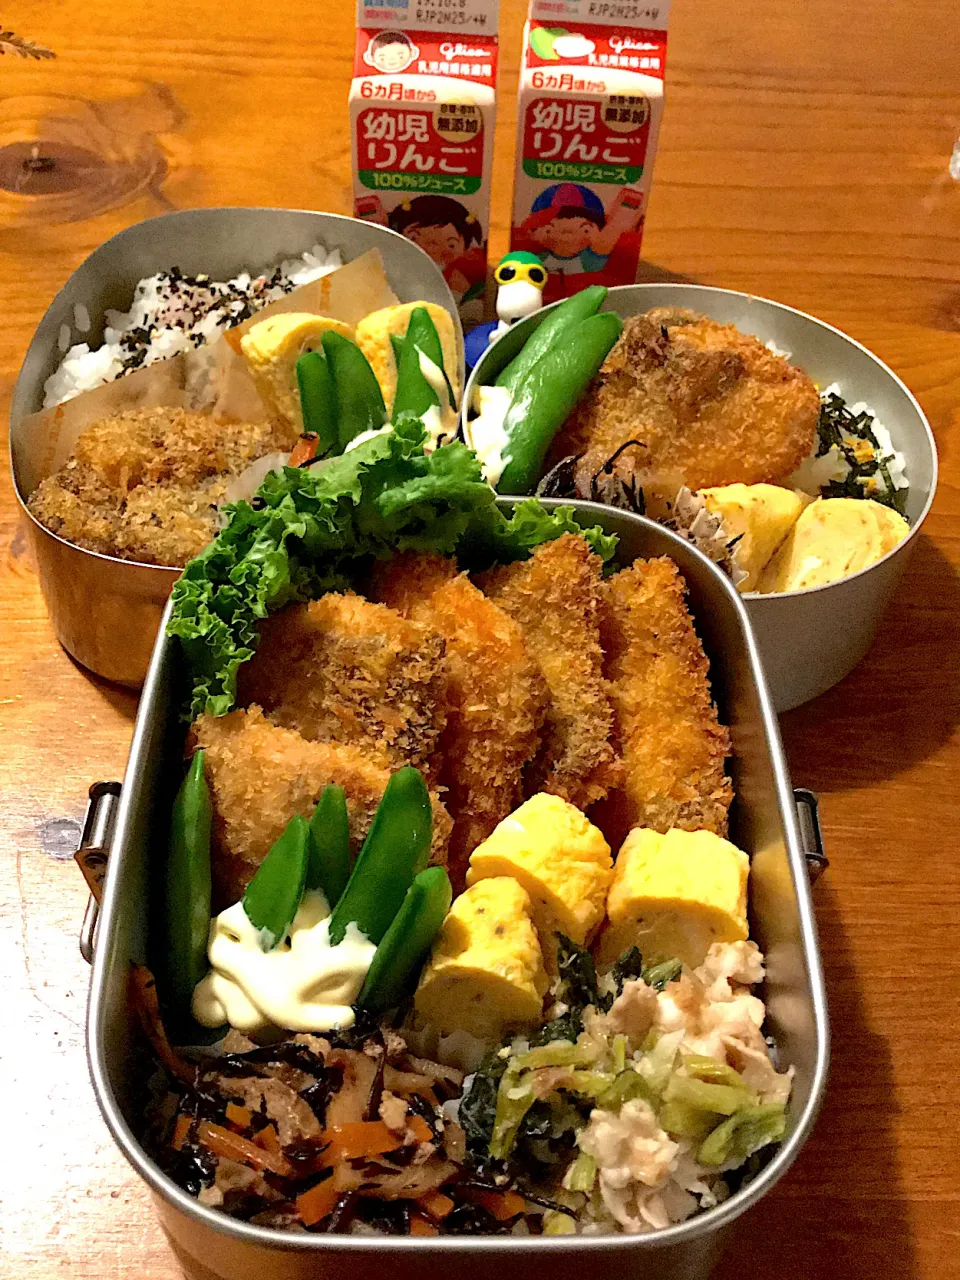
(521, 278)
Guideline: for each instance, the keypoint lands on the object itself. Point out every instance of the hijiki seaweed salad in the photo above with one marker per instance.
(451, 938)
(703, 427)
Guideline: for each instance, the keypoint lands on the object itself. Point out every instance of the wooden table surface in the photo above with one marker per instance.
(805, 156)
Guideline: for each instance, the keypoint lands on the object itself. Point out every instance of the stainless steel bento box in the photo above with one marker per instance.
(810, 639)
(763, 821)
(106, 611)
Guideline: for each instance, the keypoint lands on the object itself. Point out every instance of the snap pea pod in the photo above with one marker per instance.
(397, 343)
(274, 893)
(563, 316)
(396, 848)
(548, 395)
(328, 862)
(414, 393)
(403, 949)
(318, 400)
(360, 404)
(187, 887)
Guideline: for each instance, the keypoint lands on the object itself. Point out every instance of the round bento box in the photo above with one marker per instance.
(105, 610)
(811, 639)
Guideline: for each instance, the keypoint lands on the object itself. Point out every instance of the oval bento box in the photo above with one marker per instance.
(808, 640)
(105, 610)
(212, 1246)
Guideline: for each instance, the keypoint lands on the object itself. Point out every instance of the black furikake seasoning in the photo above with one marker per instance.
(838, 428)
(184, 302)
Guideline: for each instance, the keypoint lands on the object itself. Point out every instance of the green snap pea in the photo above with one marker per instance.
(318, 400)
(562, 317)
(403, 949)
(396, 342)
(328, 863)
(187, 887)
(274, 893)
(360, 404)
(396, 849)
(548, 394)
(415, 396)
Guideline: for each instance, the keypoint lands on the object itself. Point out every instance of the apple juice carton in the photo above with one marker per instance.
(422, 105)
(591, 98)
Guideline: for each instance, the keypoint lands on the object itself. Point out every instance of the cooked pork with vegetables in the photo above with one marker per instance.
(453, 938)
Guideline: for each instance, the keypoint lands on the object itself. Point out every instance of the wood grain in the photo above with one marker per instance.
(804, 156)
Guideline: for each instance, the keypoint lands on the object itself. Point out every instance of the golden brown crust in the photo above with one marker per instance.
(495, 694)
(343, 669)
(673, 744)
(707, 404)
(145, 484)
(555, 597)
(260, 775)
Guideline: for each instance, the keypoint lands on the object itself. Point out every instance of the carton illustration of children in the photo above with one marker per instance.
(572, 232)
(390, 52)
(451, 235)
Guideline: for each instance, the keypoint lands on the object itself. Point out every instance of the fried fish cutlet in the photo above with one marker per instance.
(704, 403)
(555, 597)
(145, 484)
(495, 694)
(343, 669)
(260, 775)
(672, 742)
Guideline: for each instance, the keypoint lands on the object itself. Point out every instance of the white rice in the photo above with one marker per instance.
(814, 473)
(170, 313)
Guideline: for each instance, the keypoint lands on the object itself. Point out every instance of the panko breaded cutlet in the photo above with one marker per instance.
(495, 694)
(555, 596)
(145, 484)
(260, 775)
(343, 669)
(707, 404)
(672, 742)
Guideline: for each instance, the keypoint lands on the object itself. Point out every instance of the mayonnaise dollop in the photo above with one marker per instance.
(486, 435)
(305, 984)
(440, 422)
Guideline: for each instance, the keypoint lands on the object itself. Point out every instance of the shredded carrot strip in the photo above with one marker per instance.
(436, 1204)
(361, 1138)
(238, 1115)
(317, 1203)
(420, 1129)
(269, 1139)
(180, 1131)
(501, 1204)
(421, 1226)
(144, 991)
(222, 1142)
(304, 449)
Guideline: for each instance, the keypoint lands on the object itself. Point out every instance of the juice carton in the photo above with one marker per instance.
(591, 98)
(422, 105)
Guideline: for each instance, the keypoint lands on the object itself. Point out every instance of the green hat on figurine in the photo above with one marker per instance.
(520, 277)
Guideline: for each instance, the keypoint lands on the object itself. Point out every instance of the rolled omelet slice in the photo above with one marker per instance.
(673, 895)
(271, 350)
(485, 972)
(373, 339)
(761, 516)
(833, 538)
(560, 858)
